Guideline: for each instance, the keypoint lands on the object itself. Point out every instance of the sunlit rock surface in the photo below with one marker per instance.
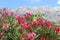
(51, 14)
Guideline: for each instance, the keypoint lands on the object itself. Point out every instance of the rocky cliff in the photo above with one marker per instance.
(51, 14)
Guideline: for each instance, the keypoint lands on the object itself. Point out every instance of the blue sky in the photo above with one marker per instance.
(19, 3)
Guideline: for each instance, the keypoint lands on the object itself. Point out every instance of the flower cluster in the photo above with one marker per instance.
(27, 27)
(33, 25)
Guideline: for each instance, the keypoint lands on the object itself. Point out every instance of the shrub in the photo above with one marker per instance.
(27, 27)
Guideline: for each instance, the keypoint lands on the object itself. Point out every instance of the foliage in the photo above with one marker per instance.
(27, 27)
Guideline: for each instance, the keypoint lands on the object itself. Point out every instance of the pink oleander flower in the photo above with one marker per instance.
(54, 25)
(0, 10)
(21, 38)
(4, 9)
(1, 35)
(5, 25)
(9, 13)
(0, 15)
(40, 21)
(30, 35)
(48, 24)
(51, 39)
(42, 38)
(20, 19)
(16, 15)
(33, 23)
(25, 26)
(32, 39)
(57, 30)
(19, 30)
(33, 34)
(27, 15)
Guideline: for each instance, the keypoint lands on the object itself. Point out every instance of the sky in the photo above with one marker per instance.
(19, 3)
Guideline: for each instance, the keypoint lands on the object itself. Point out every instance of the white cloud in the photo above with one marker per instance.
(58, 2)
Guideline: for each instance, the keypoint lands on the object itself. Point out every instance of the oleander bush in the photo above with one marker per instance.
(27, 27)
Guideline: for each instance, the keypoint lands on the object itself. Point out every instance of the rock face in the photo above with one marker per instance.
(51, 14)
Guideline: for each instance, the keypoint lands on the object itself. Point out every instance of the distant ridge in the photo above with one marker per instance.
(51, 14)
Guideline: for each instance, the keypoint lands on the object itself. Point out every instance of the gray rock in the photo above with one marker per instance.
(51, 14)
